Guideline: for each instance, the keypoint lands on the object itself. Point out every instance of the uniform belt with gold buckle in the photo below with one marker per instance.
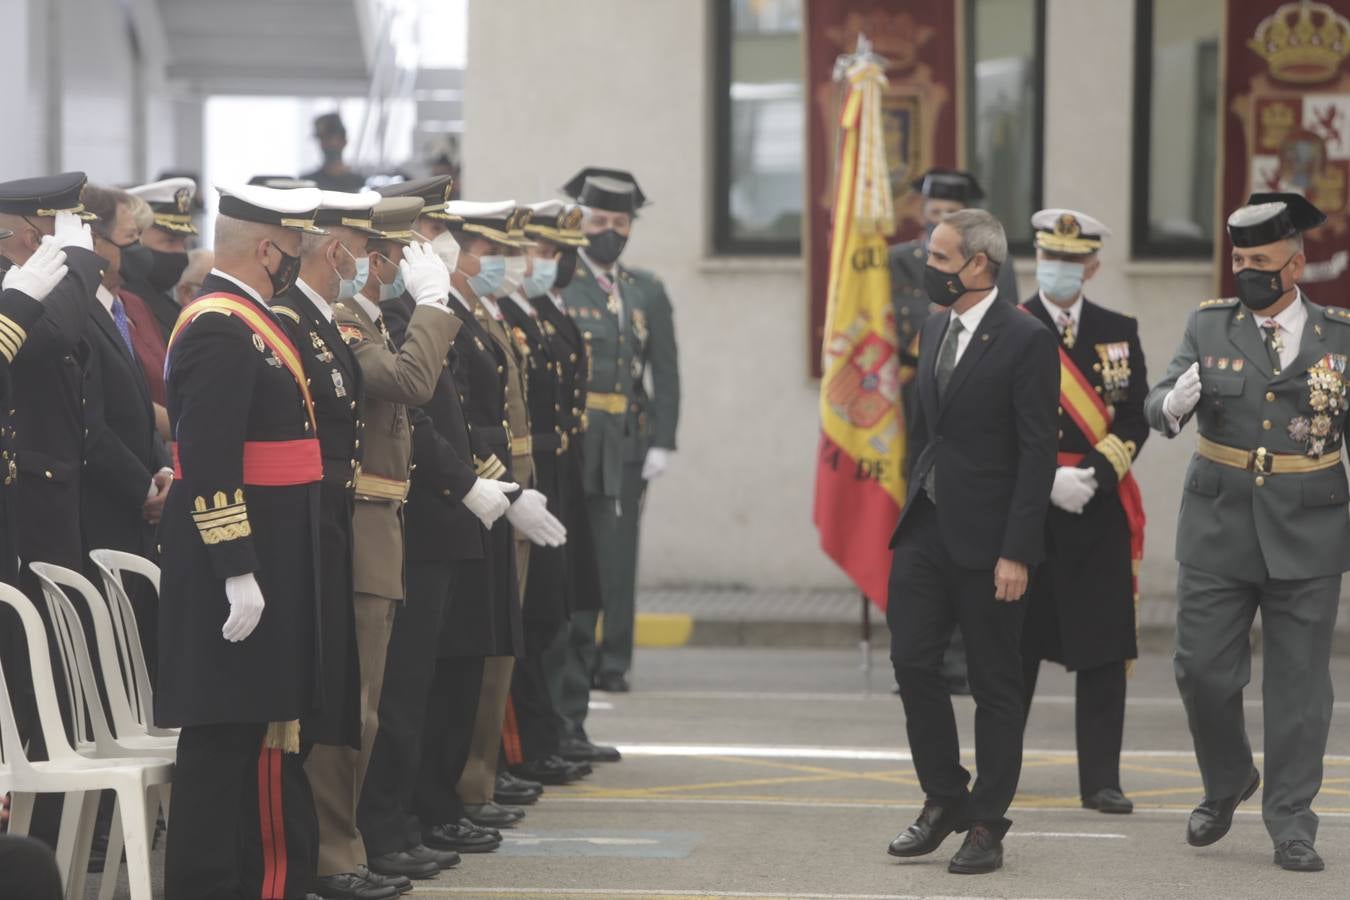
(1263, 461)
(377, 487)
(617, 404)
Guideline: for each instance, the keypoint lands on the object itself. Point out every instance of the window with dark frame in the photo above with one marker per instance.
(1176, 123)
(759, 155)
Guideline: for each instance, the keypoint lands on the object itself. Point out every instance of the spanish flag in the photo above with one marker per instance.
(859, 486)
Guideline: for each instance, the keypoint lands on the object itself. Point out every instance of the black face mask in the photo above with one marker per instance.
(283, 279)
(165, 268)
(1259, 288)
(567, 267)
(136, 261)
(332, 155)
(606, 246)
(945, 288)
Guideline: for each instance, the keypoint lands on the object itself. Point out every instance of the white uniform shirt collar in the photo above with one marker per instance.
(243, 287)
(556, 296)
(314, 298)
(1291, 319)
(468, 307)
(971, 318)
(1055, 310)
(105, 297)
(370, 308)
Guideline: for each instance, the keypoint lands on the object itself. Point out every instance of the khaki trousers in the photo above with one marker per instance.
(479, 781)
(337, 773)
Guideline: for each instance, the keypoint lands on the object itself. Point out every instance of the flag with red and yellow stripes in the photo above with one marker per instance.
(859, 485)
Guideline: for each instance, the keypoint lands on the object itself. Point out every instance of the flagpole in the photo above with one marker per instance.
(865, 645)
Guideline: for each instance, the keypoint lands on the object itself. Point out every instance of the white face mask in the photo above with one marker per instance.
(515, 275)
(445, 246)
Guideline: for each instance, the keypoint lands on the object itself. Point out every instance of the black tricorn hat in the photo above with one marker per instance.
(577, 185)
(1270, 216)
(948, 184)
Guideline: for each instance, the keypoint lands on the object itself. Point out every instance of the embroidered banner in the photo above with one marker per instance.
(1286, 125)
(921, 114)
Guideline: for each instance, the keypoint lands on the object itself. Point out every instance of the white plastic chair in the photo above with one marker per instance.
(113, 566)
(66, 772)
(127, 738)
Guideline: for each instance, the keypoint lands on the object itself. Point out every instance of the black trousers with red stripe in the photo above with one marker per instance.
(243, 821)
(533, 726)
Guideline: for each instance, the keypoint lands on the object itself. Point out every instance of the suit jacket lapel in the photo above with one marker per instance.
(984, 335)
(105, 322)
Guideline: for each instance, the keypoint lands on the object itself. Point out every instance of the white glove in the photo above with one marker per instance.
(487, 499)
(1073, 488)
(41, 274)
(446, 247)
(1183, 396)
(656, 463)
(530, 516)
(246, 607)
(424, 275)
(71, 231)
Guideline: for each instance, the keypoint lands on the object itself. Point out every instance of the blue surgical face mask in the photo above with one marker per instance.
(1059, 279)
(394, 288)
(350, 287)
(541, 279)
(491, 276)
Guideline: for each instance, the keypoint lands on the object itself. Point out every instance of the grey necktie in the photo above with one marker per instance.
(946, 364)
(1274, 342)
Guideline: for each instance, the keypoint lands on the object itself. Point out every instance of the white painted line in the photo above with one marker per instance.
(1069, 834)
(675, 892)
(599, 704)
(1139, 812)
(790, 751)
(878, 695)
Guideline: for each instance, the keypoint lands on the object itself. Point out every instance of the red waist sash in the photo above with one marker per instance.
(275, 463)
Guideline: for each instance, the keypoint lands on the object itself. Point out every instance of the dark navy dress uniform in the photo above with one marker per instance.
(335, 386)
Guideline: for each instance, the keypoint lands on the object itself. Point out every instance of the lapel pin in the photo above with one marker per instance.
(1318, 329)
(985, 336)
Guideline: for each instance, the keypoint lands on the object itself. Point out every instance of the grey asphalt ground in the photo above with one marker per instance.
(769, 772)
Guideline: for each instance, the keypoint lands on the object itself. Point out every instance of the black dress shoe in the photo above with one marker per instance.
(492, 831)
(981, 853)
(1109, 800)
(492, 815)
(350, 886)
(403, 863)
(550, 770)
(511, 791)
(609, 682)
(463, 837)
(579, 769)
(518, 783)
(444, 859)
(400, 883)
(581, 750)
(1212, 818)
(928, 832)
(1298, 856)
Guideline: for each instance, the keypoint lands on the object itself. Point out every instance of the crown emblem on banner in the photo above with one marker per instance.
(1303, 42)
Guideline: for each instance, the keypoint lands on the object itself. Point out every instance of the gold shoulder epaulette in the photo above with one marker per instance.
(287, 312)
(1218, 303)
(1338, 314)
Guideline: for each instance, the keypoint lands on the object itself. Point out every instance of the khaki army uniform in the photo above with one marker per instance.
(394, 379)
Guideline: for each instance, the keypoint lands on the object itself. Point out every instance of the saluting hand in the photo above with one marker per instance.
(72, 231)
(1010, 580)
(426, 277)
(41, 274)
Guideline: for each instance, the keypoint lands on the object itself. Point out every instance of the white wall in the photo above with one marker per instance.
(736, 505)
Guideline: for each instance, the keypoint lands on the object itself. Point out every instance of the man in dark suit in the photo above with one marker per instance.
(127, 471)
(973, 525)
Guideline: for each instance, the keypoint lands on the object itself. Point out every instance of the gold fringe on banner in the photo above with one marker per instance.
(873, 206)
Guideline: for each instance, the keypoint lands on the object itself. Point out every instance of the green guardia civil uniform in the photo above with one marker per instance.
(1263, 525)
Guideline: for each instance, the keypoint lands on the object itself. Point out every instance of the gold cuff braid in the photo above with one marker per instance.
(1117, 452)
